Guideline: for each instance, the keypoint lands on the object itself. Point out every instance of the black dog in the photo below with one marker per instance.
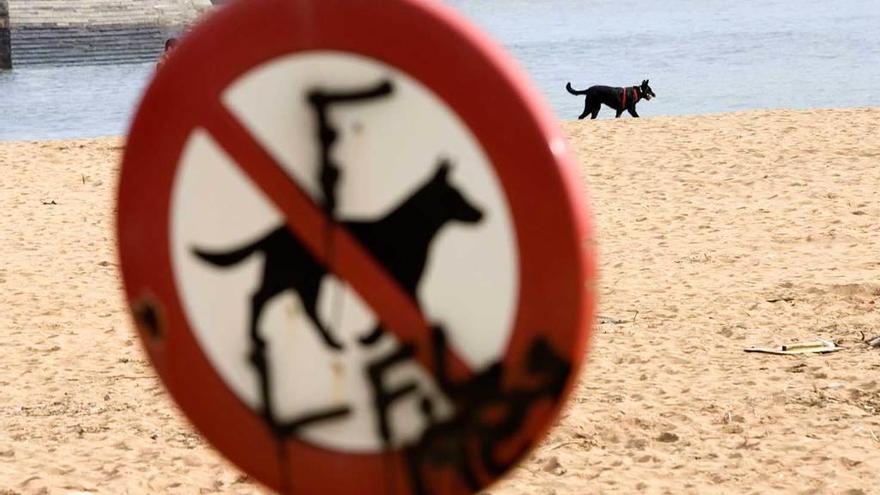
(399, 241)
(619, 99)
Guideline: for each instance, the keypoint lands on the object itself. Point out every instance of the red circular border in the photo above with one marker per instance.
(473, 76)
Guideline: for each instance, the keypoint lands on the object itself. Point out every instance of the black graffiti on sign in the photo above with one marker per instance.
(485, 414)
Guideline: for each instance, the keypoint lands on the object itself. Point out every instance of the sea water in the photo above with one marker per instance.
(69, 102)
(701, 56)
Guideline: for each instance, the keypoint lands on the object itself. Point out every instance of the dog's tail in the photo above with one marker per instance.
(229, 258)
(574, 91)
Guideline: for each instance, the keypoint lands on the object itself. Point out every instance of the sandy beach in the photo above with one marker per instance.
(715, 233)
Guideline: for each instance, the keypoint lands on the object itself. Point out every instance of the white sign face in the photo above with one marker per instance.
(387, 151)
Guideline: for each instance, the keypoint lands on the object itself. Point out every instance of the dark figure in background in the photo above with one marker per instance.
(170, 45)
(619, 99)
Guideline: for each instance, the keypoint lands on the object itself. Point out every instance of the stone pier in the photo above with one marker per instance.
(87, 32)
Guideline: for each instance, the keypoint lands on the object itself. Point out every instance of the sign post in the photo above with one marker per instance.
(354, 247)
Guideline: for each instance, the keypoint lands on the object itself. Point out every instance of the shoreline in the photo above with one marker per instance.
(564, 123)
(721, 114)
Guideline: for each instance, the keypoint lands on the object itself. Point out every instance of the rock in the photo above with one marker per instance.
(732, 429)
(667, 437)
(553, 466)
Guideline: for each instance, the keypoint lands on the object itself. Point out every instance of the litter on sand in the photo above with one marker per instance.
(873, 342)
(814, 347)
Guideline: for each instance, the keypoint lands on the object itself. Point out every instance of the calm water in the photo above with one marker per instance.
(54, 103)
(702, 56)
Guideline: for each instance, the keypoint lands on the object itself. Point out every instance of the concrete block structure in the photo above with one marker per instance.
(86, 32)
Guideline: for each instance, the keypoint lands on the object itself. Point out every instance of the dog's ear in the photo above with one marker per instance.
(443, 169)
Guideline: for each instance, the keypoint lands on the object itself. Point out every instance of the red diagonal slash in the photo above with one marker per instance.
(351, 262)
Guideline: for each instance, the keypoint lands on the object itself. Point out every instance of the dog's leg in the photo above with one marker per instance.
(586, 110)
(619, 113)
(595, 112)
(309, 297)
(632, 111)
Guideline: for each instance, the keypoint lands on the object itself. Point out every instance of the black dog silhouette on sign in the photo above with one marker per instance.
(400, 241)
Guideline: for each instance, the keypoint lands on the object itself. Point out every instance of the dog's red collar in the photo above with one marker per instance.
(635, 96)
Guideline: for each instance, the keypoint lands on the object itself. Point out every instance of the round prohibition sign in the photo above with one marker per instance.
(353, 246)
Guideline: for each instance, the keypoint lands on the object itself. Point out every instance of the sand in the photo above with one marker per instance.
(716, 233)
